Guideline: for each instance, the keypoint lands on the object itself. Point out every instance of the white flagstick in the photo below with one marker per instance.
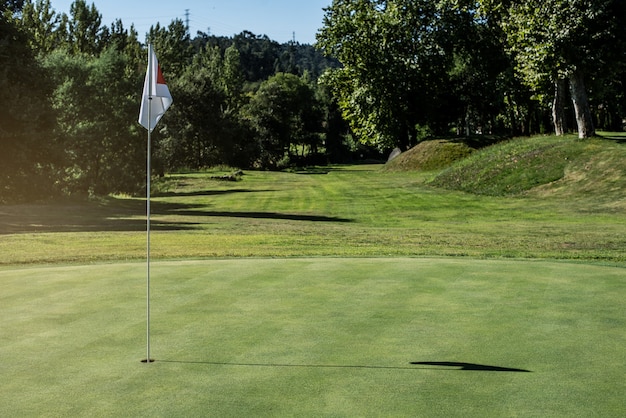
(155, 93)
(148, 185)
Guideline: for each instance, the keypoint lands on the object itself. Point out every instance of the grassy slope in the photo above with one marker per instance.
(430, 155)
(546, 166)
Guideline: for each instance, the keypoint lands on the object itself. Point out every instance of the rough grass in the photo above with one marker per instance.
(540, 166)
(430, 155)
(597, 175)
(544, 166)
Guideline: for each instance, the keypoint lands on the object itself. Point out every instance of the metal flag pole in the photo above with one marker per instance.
(148, 185)
(158, 100)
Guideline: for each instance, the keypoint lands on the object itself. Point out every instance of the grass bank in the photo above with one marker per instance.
(589, 171)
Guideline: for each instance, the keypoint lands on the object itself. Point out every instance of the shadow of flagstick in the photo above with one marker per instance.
(321, 366)
(469, 366)
(459, 366)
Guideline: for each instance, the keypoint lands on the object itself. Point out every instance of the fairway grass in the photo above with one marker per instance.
(315, 337)
(348, 211)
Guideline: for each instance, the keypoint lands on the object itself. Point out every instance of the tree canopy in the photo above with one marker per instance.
(486, 66)
(72, 87)
(384, 73)
(558, 40)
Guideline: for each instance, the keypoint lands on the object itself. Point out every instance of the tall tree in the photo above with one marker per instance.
(97, 110)
(411, 64)
(41, 20)
(204, 127)
(11, 5)
(173, 46)
(557, 40)
(29, 159)
(232, 77)
(283, 112)
(391, 65)
(192, 131)
(84, 33)
(259, 55)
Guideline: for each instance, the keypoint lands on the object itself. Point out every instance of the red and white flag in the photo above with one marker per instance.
(156, 96)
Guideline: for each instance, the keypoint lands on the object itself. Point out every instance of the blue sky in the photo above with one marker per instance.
(278, 19)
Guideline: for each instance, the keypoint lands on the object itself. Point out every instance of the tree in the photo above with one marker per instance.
(40, 19)
(283, 112)
(259, 55)
(83, 31)
(29, 161)
(192, 129)
(411, 66)
(97, 109)
(557, 40)
(173, 47)
(381, 92)
(336, 130)
(11, 5)
(204, 127)
(232, 77)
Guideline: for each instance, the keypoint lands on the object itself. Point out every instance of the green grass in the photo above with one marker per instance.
(514, 166)
(544, 165)
(319, 292)
(430, 155)
(348, 211)
(314, 337)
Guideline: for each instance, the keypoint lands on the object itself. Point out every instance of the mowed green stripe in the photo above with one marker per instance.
(314, 337)
(344, 211)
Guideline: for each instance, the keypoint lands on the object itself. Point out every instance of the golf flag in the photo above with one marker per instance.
(155, 100)
(156, 96)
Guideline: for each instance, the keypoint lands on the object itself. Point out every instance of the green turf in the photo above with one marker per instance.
(337, 211)
(322, 330)
(315, 337)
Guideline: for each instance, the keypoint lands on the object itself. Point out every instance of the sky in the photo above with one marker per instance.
(278, 19)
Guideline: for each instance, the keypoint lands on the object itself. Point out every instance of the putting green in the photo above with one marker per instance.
(315, 337)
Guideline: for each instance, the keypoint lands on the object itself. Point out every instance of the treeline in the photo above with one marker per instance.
(393, 73)
(413, 68)
(71, 88)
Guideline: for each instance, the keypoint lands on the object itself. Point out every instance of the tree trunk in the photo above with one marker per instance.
(581, 105)
(558, 108)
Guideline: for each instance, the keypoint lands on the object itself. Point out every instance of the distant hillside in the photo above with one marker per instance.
(262, 57)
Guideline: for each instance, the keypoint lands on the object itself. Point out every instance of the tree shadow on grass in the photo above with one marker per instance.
(207, 193)
(126, 215)
(617, 137)
(263, 215)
